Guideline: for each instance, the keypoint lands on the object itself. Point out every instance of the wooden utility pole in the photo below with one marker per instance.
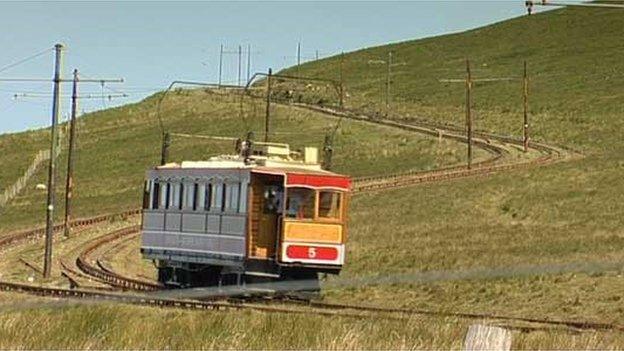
(388, 81)
(248, 62)
(267, 117)
(240, 62)
(468, 113)
(525, 125)
(47, 263)
(69, 182)
(220, 64)
(164, 150)
(298, 56)
(341, 72)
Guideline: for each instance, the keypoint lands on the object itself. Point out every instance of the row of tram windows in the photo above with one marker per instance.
(305, 203)
(187, 196)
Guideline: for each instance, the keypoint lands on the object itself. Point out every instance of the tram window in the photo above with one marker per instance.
(200, 196)
(164, 195)
(300, 203)
(207, 196)
(181, 188)
(329, 204)
(235, 197)
(175, 196)
(273, 199)
(232, 191)
(227, 197)
(147, 194)
(217, 197)
(242, 206)
(155, 195)
(195, 196)
(188, 197)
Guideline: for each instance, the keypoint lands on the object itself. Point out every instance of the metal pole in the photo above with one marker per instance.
(248, 61)
(298, 56)
(240, 57)
(47, 263)
(220, 64)
(389, 64)
(267, 116)
(525, 126)
(69, 181)
(468, 113)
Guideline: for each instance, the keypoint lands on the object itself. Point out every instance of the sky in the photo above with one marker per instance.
(150, 44)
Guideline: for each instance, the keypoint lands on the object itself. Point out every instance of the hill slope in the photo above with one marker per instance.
(575, 66)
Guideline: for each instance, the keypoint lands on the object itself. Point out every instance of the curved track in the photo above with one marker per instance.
(497, 163)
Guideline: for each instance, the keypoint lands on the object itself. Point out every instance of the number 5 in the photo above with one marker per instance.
(312, 252)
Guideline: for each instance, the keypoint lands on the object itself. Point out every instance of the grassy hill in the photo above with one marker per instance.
(534, 220)
(574, 63)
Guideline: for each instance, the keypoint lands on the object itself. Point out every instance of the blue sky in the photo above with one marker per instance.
(150, 44)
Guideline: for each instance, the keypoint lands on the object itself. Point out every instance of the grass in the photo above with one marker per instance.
(105, 326)
(567, 212)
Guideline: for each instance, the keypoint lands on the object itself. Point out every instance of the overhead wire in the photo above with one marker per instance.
(24, 60)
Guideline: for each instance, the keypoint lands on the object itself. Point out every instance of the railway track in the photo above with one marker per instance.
(308, 308)
(83, 223)
(575, 325)
(483, 140)
(102, 273)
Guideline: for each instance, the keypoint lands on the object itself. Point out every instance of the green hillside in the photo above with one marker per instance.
(574, 61)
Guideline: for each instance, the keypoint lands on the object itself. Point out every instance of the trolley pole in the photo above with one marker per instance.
(525, 125)
(468, 113)
(388, 81)
(328, 151)
(267, 117)
(220, 64)
(47, 263)
(69, 183)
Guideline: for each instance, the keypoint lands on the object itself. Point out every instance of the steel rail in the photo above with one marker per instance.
(362, 184)
(107, 275)
(18, 236)
(581, 325)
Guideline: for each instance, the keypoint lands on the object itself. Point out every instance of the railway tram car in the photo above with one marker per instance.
(266, 214)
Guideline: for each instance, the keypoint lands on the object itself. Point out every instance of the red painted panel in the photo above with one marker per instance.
(318, 181)
(312, 252)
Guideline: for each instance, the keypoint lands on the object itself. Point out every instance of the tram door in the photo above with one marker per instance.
(267, 195)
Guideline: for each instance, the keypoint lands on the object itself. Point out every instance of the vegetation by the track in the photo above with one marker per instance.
(35, 323)
(117, 146)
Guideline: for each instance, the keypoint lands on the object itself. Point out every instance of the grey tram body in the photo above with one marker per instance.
(182, 228)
